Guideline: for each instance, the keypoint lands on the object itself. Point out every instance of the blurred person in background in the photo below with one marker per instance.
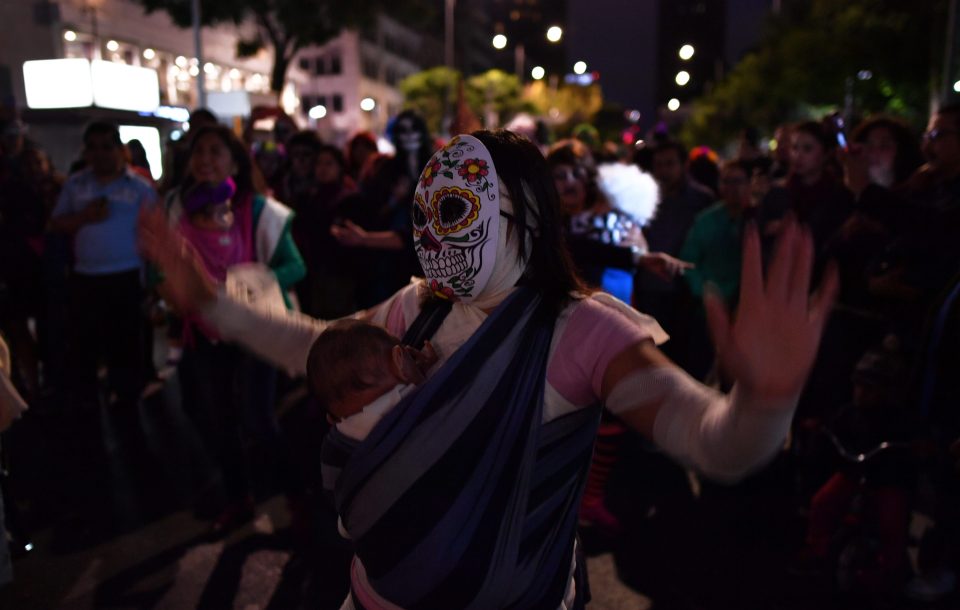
(98, 206)
(376, 227)
(328, 289)
(176, 153)
(681, 199)
(712, 246)
(299, 179)
(27, 198)
(224, 215)
(361, 147)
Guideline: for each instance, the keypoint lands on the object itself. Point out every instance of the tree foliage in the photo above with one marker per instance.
(495, 96)
(809, 58)
(286, 26)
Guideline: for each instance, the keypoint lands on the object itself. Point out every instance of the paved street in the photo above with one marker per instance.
(117, 511)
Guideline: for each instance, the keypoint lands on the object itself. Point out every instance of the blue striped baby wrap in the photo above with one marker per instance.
(460, 497)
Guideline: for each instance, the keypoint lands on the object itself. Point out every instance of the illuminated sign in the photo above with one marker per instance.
(58, 83)
(77, 82)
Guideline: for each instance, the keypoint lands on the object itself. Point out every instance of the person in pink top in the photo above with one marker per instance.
(465, 494)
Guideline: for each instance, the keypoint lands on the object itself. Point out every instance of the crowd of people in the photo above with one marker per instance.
(652, 232)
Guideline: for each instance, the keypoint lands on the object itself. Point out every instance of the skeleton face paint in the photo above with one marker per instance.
(456, 219)
(407, 135)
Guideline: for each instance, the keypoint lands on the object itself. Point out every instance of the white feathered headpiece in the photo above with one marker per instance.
(629, 190)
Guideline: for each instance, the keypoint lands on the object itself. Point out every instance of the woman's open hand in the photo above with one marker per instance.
(770, 343)
(186, 284)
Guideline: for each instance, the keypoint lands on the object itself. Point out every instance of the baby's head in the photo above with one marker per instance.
(353, 362)
(209, 206)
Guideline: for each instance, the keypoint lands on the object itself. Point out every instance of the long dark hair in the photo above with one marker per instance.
(908, 157)
(526, 176)
(248, 178)
(577, 155)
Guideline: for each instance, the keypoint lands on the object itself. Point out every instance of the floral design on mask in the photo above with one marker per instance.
(456, 219)
(475, 170)
(429, 173)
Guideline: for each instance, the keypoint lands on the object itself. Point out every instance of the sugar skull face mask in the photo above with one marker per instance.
(456, 219)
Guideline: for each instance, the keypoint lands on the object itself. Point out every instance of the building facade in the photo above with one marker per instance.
(354, 78)
(119, 32)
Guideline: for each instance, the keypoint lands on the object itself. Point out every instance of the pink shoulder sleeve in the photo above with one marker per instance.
(592, 336)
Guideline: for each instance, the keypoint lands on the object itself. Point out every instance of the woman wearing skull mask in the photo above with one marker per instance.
(465, 494)
(411, 138)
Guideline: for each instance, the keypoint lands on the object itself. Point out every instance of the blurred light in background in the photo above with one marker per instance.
(367, 104)
(673, 105)
(149, 54)
(150, 138)
(317, 112)
(580, 67)
(686, 52)
(538, 72)
(58, 83)
(113, 45)
(683, 77)
(69, 35)
(499, 41)
(554, 33)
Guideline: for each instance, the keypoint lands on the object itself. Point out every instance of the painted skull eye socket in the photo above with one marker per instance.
(452, 211)
(419, 218)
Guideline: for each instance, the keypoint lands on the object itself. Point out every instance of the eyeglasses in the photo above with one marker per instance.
(938, 134)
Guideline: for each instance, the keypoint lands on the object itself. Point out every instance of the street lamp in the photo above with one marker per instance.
(673, 104)
(499, 41)
(538, 72)
(683, 77)
(554, 33)
(580, 67)
(367, 104)
(686, 52)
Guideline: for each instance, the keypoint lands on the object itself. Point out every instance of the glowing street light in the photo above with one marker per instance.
(113, 45)
(686, 52)
(318, 112)
(367, 104)
(149, 54)
(499, 41)
(673, 104)
(683, 77)
(537, 72)
(69, 35)
(554, 33)
(580, 67)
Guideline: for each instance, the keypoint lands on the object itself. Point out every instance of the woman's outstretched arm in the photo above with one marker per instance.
(768, 347)
(283, 338)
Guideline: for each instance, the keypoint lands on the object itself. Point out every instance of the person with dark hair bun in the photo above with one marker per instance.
(467, 492)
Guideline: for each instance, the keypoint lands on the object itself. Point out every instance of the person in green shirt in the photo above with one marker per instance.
(713, 246)
(713, 242)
